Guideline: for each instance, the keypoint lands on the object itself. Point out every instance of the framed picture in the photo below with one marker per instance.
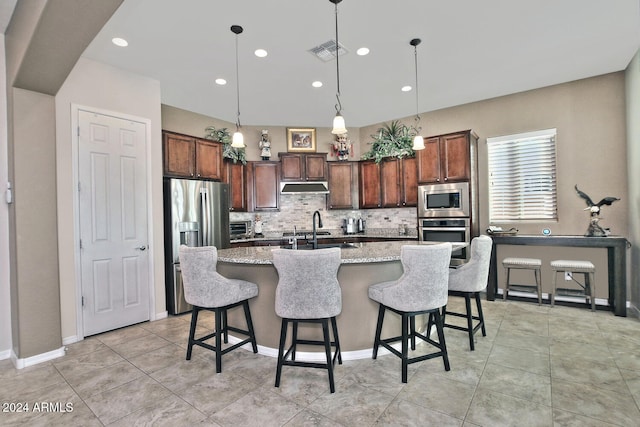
(301, 140)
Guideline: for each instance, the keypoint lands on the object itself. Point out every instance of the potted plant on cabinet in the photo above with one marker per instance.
(392, 140)
(228, 152)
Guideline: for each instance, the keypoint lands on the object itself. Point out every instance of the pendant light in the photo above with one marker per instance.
(238, 140)
(418, 141)
(338, 121)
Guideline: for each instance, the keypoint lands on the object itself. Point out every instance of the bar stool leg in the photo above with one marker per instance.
(506, 286)
(376, 341)
(467, 303)
(283, 338)
(553, 286)
(589, 279)
(536, 273)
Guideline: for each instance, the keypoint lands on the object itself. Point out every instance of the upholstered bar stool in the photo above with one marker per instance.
(587, 289)
(308, 292)
(206, 289)
(468, 281)
(422, 289)
(532, 264)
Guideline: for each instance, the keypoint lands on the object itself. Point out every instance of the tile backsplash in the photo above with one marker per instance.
(297, 209)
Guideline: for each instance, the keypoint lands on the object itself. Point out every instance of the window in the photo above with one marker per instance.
(522, 177)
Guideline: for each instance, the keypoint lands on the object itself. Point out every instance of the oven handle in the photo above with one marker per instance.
(443, 228)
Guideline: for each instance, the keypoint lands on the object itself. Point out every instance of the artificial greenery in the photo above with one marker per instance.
(392, 140)
(228, 152)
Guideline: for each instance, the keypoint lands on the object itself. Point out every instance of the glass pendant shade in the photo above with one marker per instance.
(418, 143)
(338, 125)
(238, 140)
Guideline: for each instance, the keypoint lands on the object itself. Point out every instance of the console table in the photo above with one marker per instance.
(616, 256)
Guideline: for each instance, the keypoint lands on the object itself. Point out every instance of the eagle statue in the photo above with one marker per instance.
(595, 230)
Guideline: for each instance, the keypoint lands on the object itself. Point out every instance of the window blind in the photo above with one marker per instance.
(522, 177)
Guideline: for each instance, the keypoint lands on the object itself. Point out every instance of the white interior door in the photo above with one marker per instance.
(113, 222)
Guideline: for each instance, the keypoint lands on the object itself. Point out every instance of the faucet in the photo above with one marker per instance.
(314, 242)
(294, 239)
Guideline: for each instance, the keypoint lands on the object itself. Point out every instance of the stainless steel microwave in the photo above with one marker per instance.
(443, 200)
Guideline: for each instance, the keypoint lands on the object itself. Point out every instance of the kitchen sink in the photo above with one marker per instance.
(308, 246)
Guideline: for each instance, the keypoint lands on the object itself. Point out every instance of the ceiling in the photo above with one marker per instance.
(471, 50)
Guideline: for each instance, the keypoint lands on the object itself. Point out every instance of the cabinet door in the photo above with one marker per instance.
(266, 192)
(340, 185)
(454, 152)
(179, 155)
(208, 159)
(292, 167)
(315, 167)
(429, 161)
(390, 183)
(409, 193)
(369, 184)
(236, 178)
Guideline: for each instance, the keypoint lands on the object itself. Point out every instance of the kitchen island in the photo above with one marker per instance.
(363, 264)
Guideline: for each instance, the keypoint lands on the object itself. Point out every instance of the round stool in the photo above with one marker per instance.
(532, 264)
(571, 266)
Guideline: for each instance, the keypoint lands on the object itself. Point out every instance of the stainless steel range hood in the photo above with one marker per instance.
(304, 187)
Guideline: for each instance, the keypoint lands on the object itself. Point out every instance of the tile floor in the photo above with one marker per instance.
(537, 366)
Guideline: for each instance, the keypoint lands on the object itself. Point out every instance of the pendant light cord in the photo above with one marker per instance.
(339, 104)
(415, 55)
(237, 86)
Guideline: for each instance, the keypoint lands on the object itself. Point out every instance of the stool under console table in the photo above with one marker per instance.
(616, 262)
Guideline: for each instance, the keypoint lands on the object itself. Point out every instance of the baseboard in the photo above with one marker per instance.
(70, 340)
(5, 354)
(38, 358)
(162, 315)
(633, 311)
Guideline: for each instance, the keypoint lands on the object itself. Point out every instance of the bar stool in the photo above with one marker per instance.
(206, 289)
(422, 289)
(532, 264)
(587, 289)
(468, 281)
(308, 292)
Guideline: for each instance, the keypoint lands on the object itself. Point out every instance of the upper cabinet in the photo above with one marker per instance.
(236, 177)
(191, 157)
(446, 158)
(391, 183)
(303, 167)
(342, 185)
(265, 185)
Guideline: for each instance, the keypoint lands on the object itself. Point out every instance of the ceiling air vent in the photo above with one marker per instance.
(327, 50)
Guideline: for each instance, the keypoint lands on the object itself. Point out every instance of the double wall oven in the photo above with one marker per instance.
(444, 215)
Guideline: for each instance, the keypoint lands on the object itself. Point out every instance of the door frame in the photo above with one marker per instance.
(75, 145)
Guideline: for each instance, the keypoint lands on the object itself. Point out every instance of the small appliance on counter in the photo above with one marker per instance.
(353, 225)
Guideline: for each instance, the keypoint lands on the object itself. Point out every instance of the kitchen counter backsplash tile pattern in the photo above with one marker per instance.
(297, 209)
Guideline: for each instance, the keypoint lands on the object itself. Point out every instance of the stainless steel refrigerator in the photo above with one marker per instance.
(196, 213)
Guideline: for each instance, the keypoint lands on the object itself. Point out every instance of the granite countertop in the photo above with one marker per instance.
(337, 234)
(359, 253)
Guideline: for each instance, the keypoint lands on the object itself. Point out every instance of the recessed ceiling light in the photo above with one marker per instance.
(316, 84)
(406, 88)
(363, 51)
(221, 82)
(260, 53)
(119, 42)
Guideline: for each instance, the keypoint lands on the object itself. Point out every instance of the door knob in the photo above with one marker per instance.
(141, 248)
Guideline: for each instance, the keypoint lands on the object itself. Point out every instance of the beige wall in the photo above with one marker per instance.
(5, 302)
(95, 85)
(633, 161)
(36, 327)
(188, 123)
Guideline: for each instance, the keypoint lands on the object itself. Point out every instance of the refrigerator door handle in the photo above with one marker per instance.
(205, 216)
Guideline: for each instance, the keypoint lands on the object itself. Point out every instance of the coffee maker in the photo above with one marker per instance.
(350, 225)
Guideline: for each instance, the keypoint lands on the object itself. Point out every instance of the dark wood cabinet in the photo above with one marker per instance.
(265, 183)
(303, 167)
(391, 183)
(342, 188)
(236, 177)
(190, 157)
(446, 158)
(369, 184)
